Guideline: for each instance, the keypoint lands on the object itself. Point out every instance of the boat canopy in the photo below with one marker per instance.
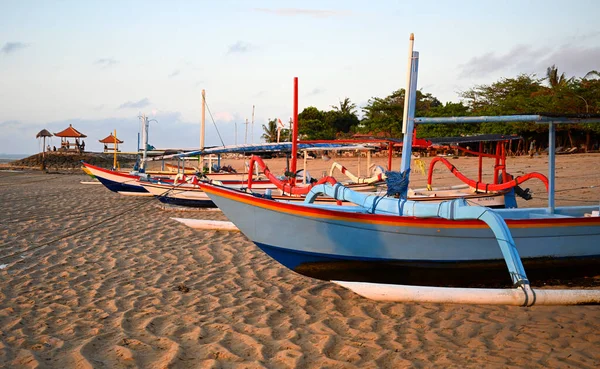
(271, 147)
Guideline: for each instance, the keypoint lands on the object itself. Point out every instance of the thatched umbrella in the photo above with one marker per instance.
(44, 133)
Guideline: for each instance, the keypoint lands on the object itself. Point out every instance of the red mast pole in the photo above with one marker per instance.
(295, 128)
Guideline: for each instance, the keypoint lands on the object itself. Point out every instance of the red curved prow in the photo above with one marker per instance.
(485, 187)
(284, 186)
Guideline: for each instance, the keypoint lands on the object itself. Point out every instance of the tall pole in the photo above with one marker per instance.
(115, 150)
(410, 98)
(246, 132)
(551, 166)
(202, 122)
(295, 128)
(144, 140)
(252, 128)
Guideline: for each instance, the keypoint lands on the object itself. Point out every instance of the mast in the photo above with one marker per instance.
(295, 128)
(115, 150)
(410, 99)
(202, 121)
(202, 129)
(144, 140)
(252, 128)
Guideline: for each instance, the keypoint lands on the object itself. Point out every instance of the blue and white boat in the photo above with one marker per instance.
(394, 249)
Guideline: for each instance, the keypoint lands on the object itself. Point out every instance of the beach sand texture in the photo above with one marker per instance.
(92, 279)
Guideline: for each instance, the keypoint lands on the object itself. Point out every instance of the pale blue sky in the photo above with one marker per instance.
(97, 64)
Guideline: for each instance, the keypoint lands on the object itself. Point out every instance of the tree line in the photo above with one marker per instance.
(524, 94)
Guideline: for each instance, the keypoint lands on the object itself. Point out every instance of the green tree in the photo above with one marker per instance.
(312, 125)
(386, 114)
(342, 118)
(270, 131)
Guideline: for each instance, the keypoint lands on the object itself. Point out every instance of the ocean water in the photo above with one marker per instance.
(7, 158)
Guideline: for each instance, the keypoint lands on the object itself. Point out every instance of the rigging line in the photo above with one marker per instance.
(77, 231)
(213, 120)
(574, 188)
(49, 232)
(5, 184)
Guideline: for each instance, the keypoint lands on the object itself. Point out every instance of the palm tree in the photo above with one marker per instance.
(346, 107)
(554, 79)
(270, 131)
(592, 73)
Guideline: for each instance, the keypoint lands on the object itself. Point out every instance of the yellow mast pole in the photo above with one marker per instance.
(115, 150)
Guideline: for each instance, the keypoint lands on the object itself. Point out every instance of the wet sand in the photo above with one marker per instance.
(92, 279)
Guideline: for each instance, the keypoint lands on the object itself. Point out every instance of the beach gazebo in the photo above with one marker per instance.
(66, 144)
(111, 143)
(43, 134)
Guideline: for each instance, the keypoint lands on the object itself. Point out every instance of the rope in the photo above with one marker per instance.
(77, 231)
(215, 124)
(4, 184)
(397, 183)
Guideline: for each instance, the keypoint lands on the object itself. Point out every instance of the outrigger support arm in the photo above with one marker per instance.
(480, 186)
(453, 210)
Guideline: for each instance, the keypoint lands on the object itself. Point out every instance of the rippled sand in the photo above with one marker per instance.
(92, 279)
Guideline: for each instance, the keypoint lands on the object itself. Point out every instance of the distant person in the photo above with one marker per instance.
(531, 148)
(82, 145)
(54, 148)
(68, 145)
(48, 148)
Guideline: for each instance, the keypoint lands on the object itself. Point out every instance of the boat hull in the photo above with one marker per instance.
(115, 181)
(352, 246)
(183, 195)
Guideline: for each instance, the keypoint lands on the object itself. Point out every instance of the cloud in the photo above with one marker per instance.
(175, 73)
(291, 12)
(135, 105)
(573, 60)
(10, 124)
(106, 62)
(11, 47)
(315, 91)
(240, 47)
(488, 63)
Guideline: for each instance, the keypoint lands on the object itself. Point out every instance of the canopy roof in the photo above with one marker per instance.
(43, 133)
(110, 139)
(70, 132)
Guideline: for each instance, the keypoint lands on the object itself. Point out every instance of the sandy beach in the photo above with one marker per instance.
(93, 279)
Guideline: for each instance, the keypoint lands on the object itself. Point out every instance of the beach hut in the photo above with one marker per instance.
(66, 144)
(111, 143)
(43, 134)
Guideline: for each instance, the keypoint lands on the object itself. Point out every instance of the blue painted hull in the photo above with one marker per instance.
(481, 273)
(186, 202)
(120, 187)
(347, 244)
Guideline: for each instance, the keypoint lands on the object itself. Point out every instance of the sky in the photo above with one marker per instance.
(98, 65)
